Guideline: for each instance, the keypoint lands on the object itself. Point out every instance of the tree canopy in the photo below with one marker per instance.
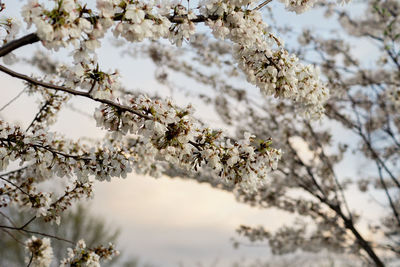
(280, 151)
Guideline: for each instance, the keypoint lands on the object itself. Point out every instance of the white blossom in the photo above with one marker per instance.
(39, 252)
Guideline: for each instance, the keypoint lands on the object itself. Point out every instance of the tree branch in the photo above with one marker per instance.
(33, 38)
(15, 44)
(36, 233)
(80, 93)
(8, 218)
(392, 205)
(77, 157)
(27, 223)
(348, 222)
(71, 91)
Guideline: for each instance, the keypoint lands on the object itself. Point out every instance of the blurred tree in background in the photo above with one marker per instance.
(77, 223)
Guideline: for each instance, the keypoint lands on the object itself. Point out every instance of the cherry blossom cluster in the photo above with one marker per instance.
(142, 20)
(49, 107)
(46, 155)
(10, 27)
(167, 132)
(285, 240)
(61, 25)
(39, 252)
(274, 71)
(280, 74)
(88, 76)
(90, 257)
(37, 201)
(71, 22)
(53, 155)
(20, 188)
(78, 191)
(235, 21)
(300, 6)
(164, 131)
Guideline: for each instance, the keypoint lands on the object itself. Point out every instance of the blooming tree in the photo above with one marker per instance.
(155, 136)
(309, 180)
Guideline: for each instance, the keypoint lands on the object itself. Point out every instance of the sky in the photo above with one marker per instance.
(166, 222)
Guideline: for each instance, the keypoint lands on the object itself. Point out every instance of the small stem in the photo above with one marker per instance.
(392, 205)
(36, 233)
(37, 115)
(262, 5)
(28, 222)
(13, 237)
(30, 261)
(12, 100)
(71, 91)
(19, 188)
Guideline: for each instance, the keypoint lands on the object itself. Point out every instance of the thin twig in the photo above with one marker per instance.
(48, 148)
(392, 205)
(357, 129)
(37, 115)
(8, 218)
(348, 222)
(36, 233)
(28, 222)
(17, 170)
(13, 237)
(328, 162)
(12, 100)
(71, 91)
(11, 172)
(262, 5)
(18, 187)
(30, 261)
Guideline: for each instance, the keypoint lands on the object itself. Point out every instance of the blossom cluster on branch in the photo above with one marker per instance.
(46, 155)
(167, 132)
(90, 257)
(259, 53)
(54, 156)
(40, 254)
